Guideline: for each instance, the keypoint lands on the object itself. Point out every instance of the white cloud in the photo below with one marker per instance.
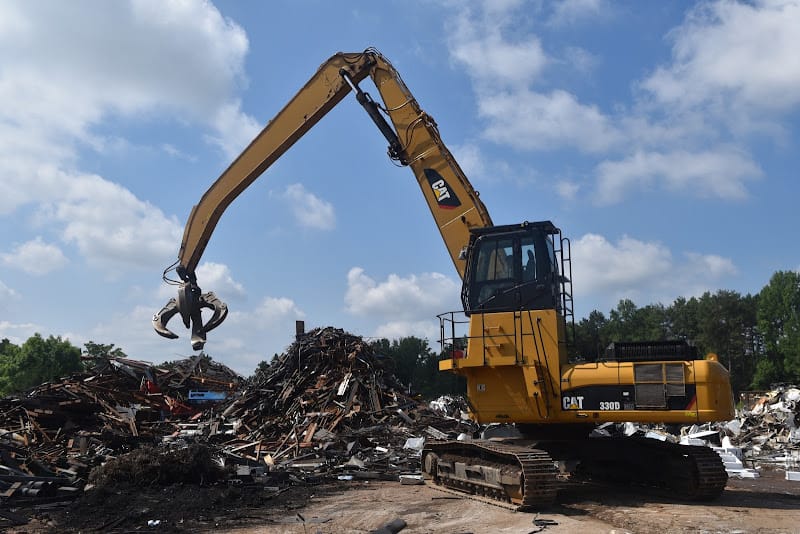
(234, 129)
(601, 266)
(715, 266)
(581, 59)
(729, 54)
(17, 333)
(109, 225)
(184, 53)
(399, 329)
(535, 121)
(642, 271)
(217, 277)
(273, 309)
(62, 64)
(402, 306)
(6, 294)
(175, 152)
(566, 189)
(567, 12)
(720, 173)
(67, 68)
(414, 298)
(504, 73)
(249, 337)
(470, 159)
(309, 210)
(481, 168)
(685, 127)
(477, 42)
(35, 257)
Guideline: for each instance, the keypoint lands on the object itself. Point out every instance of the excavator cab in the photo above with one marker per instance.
(513, 268)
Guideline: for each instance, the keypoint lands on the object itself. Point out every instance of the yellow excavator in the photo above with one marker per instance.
(511, 340)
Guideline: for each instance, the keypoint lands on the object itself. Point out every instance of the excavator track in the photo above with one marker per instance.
(706, 478)
(685, 472)
(520, 477)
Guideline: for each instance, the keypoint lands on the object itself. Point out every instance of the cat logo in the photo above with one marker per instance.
(572, 403)
(445, 196)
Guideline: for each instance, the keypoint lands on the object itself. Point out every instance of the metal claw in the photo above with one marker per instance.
(189, 304)
(210, 300)
(161, 319)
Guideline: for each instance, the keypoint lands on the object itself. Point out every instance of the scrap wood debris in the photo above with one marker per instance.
(325, 409)
(328, 398)
(767, 432)
(52, 437)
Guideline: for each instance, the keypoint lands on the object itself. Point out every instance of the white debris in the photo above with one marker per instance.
(661, 436)
(686, 440)
(792, 394)
(732, 460)
(734, 426)
(415, 443)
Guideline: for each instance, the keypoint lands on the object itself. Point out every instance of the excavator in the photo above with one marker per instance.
(511, 341)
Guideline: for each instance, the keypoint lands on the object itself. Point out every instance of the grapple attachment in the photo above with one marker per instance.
(189, 305)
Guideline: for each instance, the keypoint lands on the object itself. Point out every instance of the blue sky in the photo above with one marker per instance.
(659, 136)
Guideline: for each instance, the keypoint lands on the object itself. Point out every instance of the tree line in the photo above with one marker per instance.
(757, 337)
(39, 360)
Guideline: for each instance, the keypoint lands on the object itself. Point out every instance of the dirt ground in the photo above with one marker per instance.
(769, 504)
(766, 505)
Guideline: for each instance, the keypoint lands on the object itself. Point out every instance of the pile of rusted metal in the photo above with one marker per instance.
(327, 405)
(326, 408)
(51, 437)
(768, 429)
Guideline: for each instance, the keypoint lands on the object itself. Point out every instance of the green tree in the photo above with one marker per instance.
(8, 354)
(767, 373)
(654, 323)
(414, 364)
(629, 323)
(40, 360)
(621, 321)
(591, 336)
(7, 348)
(726, 322)
(99, 350)
(779, 324)
(261, 369)
(407, 355)
(434, 383)
(682, 316)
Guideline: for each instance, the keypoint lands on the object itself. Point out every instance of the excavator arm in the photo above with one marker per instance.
(414, 141)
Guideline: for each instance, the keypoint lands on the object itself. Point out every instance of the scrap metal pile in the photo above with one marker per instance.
(329, 398)
(327, 408)
(768, 430)
(51, 437)
(765, 432)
